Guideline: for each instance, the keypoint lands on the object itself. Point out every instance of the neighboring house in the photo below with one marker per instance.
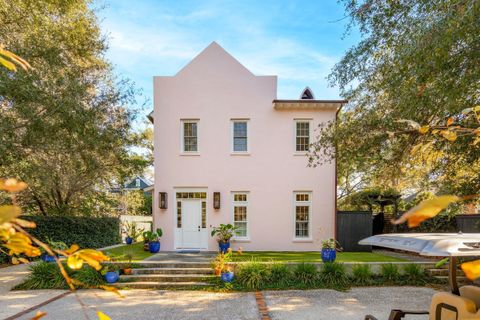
(137, 183)
(227, 151)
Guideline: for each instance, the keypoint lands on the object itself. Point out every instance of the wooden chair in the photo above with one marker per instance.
(446, 306)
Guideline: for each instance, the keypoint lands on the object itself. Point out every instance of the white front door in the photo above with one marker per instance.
(192, 223)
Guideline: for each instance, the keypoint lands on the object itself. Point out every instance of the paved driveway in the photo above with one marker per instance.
(309, 304)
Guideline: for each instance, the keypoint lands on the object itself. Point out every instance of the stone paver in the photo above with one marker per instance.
(145, 304)
(12, 276)
(13, 302)
(350, 305)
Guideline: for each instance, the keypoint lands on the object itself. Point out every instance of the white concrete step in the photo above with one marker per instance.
(206, 271)
(160, 285)
(164, 277)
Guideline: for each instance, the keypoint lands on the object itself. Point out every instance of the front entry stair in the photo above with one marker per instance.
(168, 275)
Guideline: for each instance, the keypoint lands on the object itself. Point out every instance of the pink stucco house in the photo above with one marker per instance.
(227, 151)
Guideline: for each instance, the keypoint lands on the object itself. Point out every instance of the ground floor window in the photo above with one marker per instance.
(302, 209)
(240, 214)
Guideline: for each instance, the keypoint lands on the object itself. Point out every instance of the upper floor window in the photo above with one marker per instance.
(189, 136)
(302, 207)
(137, 183)
(302, 135)
(240, 136)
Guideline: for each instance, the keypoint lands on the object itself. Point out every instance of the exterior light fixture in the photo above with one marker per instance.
(216, 200)
(163, 200)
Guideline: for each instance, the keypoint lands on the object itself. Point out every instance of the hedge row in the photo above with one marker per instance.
(87, 232)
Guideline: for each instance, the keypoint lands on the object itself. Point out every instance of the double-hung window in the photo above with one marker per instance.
(302, 135)
(240, 214)
(189, 136)
(240, 136)
(302, 211)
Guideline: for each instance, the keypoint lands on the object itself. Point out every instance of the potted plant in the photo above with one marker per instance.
(132, 231)
(127, 268)
(220, 261)
(227, 275)
(153, 239)
(329, 250)
(110, 273)
(224, 233)
(54, 245)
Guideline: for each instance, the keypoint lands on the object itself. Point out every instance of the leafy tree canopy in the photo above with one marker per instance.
(64, 125)
(417, 60)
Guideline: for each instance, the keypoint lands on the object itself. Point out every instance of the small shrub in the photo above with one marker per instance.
(88, 276)
(362, 274)
(279, 274)
(306, 274)
(45, 275)
(414, 273)
(389, 272)
(252, 275)
(333, 275)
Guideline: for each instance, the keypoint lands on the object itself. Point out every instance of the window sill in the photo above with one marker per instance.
(296, 154)
(241, 240)
(240, 153)
(300, 240)
(197, 154)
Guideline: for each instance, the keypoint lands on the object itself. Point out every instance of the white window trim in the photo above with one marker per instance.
(310, 216)
(243, 203)
(310, 135)
(232, 151)
(182, 140)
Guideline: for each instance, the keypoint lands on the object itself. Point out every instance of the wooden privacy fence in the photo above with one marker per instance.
(353, 226)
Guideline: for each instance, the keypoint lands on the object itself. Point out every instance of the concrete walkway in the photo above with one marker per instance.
(176, 257)
(12, 276)
(308, 304)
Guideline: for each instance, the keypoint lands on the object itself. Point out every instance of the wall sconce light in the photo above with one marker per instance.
(163, 200)
(216, 200)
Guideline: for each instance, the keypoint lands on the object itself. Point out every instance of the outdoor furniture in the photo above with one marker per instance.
(446, 306)
(463, 303)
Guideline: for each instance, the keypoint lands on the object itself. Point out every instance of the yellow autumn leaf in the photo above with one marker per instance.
(25, 223)
(12, 185)
(449, 135)
(18, 243)
(476, 108)
(471, 269)
(112, 289)
(102, 316)
(74, 247)
(7, 64)
(9, 213)
(426, 209)
(423, 129)
(39, 315)
(74, 262)
(15, 260)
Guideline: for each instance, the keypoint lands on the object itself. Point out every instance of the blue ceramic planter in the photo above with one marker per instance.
(47, 258)
(112, 276)
(227, 276)
(223, 246)
(329, 255)
(154, 246)
(128, 240)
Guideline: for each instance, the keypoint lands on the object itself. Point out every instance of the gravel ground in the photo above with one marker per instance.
(353, 304)
(145, 304)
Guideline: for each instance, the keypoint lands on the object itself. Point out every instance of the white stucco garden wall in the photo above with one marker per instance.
(216, 88)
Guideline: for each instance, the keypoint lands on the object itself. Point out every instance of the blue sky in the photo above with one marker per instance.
(296, 40)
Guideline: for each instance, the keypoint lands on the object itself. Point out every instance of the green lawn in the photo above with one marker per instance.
(136, 250)
(314, 257)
